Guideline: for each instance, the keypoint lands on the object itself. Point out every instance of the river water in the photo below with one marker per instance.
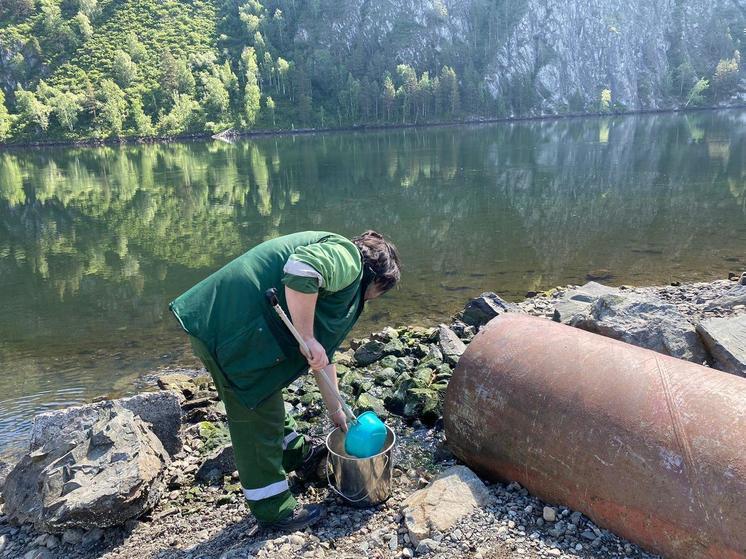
(94, 242)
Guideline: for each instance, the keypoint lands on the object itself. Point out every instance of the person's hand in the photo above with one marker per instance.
(318, 359)
(339, 419)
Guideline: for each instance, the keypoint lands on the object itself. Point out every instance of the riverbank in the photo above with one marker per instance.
(401, 373)
(95, 142)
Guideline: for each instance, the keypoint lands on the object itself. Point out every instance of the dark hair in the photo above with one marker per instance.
(381, 257)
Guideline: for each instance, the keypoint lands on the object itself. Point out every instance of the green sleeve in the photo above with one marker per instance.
(300, 283)
(337, 261)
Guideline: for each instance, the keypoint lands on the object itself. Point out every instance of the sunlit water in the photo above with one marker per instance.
(94, 242)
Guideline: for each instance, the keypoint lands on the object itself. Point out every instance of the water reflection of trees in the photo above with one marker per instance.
(540, 196)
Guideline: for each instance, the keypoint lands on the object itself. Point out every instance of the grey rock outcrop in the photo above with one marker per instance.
(734, 296)
(455, 493)
(726, 340)
(480, 310)
(97, 477)
(450, 344)
(160, 410)
(576, 301)
(643, 321)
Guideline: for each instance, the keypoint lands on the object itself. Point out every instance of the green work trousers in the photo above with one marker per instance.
(265, 444)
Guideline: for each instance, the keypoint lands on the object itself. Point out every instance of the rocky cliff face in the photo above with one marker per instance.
(568, 52)
(552, 56)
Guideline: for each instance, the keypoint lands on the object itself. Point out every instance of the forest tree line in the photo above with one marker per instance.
(74, 69)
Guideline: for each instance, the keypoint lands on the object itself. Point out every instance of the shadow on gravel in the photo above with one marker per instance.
(242, 538)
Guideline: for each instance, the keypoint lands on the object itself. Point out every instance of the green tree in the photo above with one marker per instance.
(182, 118)
(82, 24)
(696, 94)
(252, 93)
(283, 67)
(727, 74)
(185, 82)
(389, 95)
(407, 89)
(605, 104)
(215, 98)
(112, 109)
(66, 107)
(90, 102)
(88, 7)
(141, 123)
(270, 104)
(448, 91)
(135, 48)
(6, 122)
(123, 69)
(169, 73)
(424, 93)
(31, 111)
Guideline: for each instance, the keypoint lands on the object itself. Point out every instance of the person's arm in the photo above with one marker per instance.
(302, 307)
(330, 395)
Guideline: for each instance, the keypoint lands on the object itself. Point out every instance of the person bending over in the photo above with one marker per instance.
(252, 356)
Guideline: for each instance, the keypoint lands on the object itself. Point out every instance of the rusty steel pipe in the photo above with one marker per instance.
(651, 447)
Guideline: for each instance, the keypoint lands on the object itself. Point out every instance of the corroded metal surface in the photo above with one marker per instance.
(648, 446)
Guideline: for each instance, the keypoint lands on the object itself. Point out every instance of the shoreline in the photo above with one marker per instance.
(146, 381)
(202, 515)
(270, 132)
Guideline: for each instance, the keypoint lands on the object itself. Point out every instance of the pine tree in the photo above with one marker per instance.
(169, 76)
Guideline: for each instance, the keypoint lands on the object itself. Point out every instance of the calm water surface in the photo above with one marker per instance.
(94, 242)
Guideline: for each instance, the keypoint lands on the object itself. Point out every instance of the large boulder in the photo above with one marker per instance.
(454, 494)
(481, 310)
(100, 476)
(644, 321)
(161, 410)
(579, 300)
(726, 340)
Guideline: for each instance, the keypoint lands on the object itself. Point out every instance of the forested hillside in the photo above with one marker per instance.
(73, 69)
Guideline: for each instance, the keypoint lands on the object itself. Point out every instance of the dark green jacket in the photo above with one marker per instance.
(229, 314)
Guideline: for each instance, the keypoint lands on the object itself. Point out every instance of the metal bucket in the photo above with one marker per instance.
(363, 482)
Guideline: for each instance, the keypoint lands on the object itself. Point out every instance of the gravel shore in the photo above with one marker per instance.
(195, 520)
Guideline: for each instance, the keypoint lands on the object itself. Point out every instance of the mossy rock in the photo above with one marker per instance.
(388, 361)
(396, 401)
(213, 435)
(310, 398)
(368, 402)
(395, 347)
(424, 404)
(423, 377)
(384, 377)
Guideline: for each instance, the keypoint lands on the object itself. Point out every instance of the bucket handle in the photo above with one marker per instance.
(338, 492)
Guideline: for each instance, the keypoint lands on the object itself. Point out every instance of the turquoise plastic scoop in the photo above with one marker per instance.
(366, 436)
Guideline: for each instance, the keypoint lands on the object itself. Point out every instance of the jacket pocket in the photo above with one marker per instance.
(251, 348)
